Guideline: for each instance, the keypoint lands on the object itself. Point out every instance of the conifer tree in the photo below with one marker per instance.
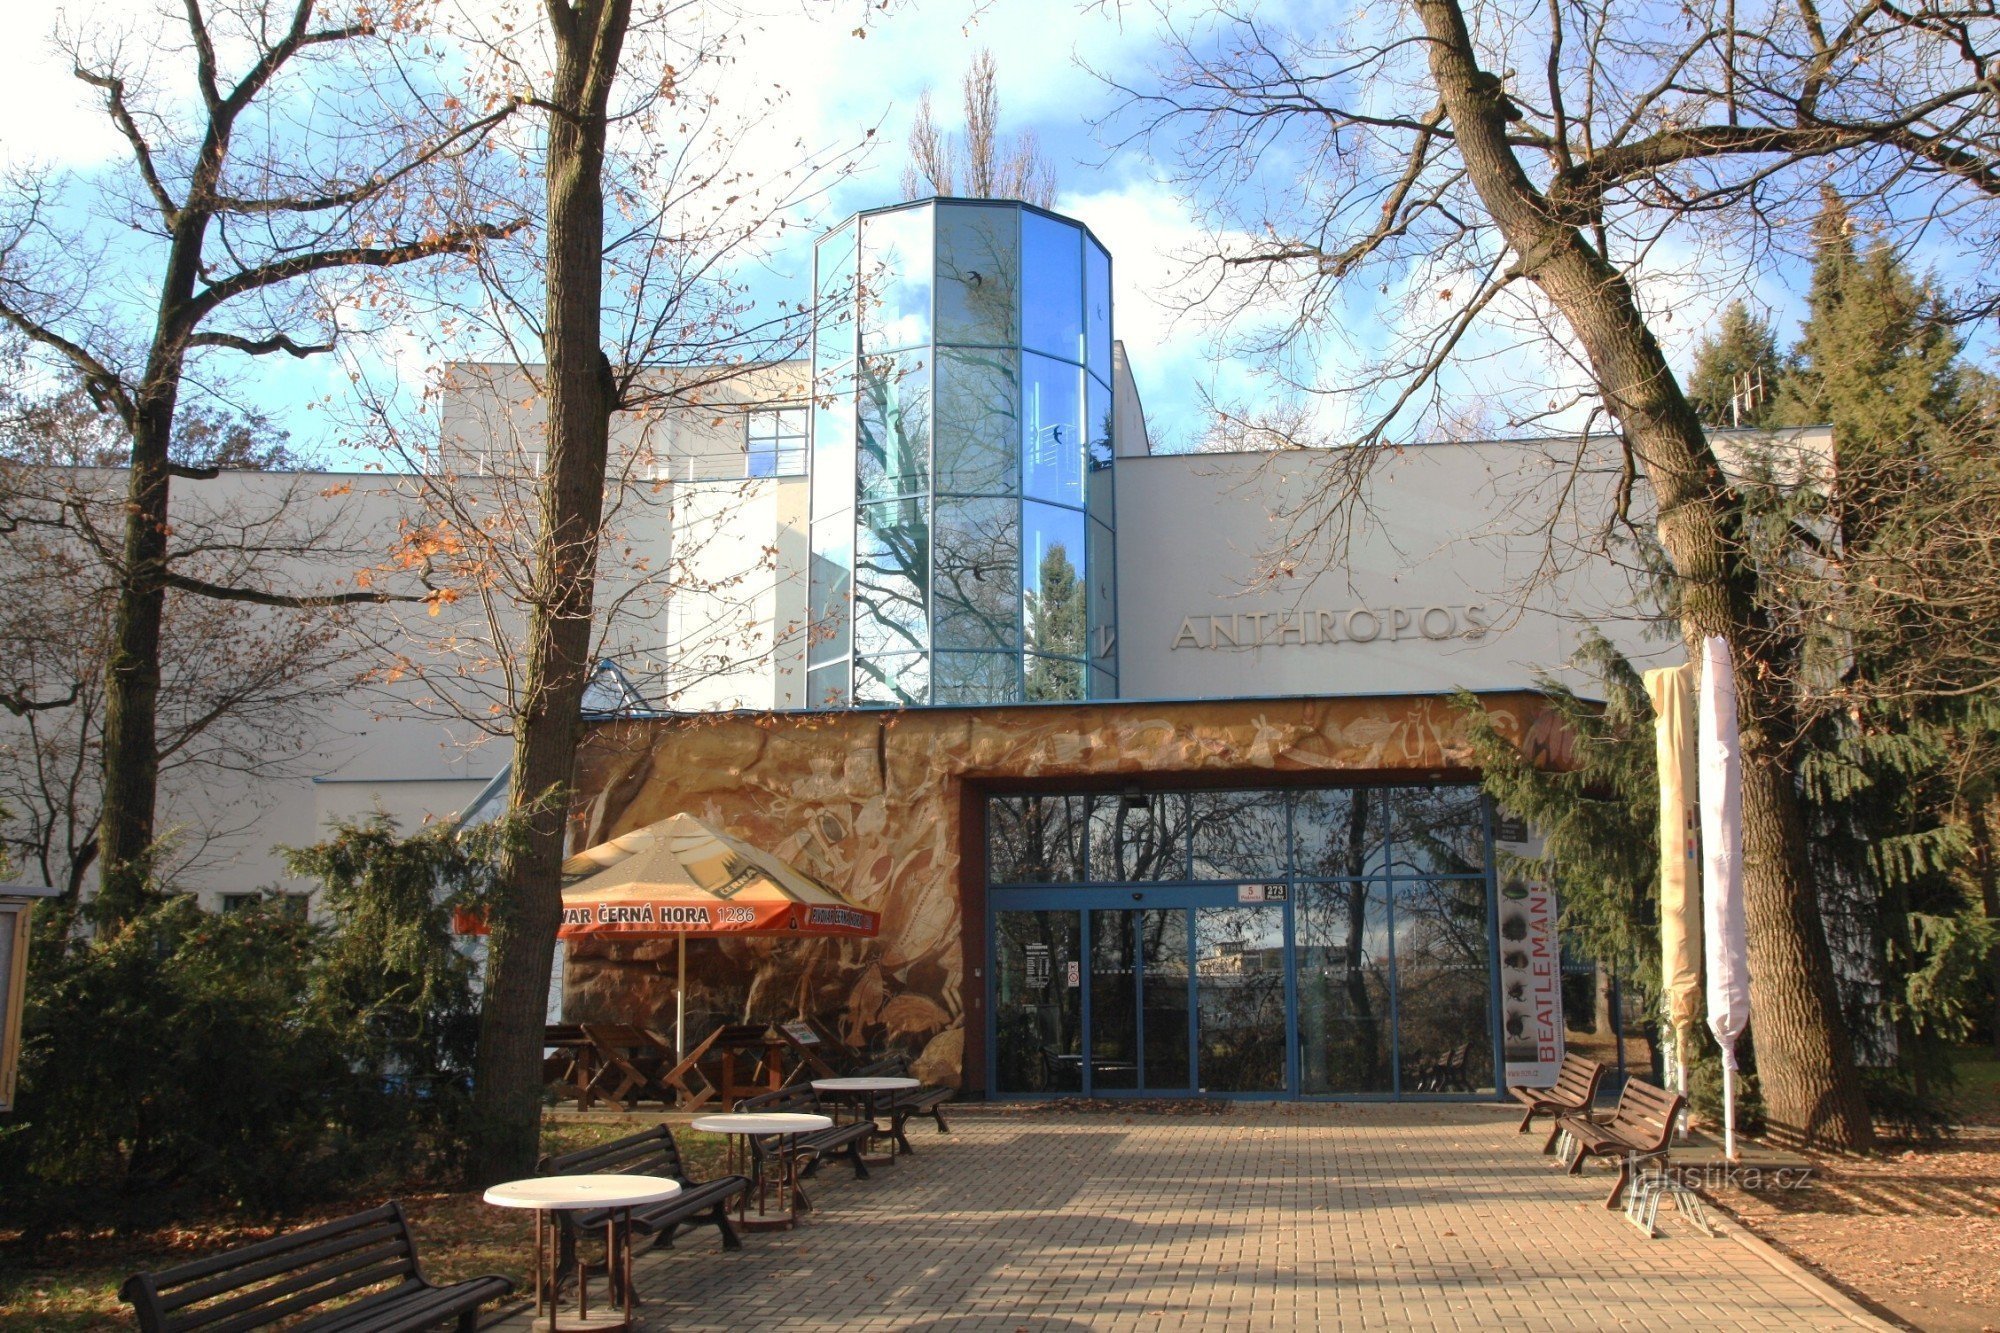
(1735, 370)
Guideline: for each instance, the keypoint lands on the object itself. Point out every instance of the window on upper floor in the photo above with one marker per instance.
(776, 442)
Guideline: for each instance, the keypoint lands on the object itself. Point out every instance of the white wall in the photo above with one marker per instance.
(1461, 570)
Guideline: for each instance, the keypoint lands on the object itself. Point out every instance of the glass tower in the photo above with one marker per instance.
(962, 508)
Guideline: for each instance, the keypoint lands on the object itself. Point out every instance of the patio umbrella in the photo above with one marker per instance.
(682, 877)
(1722, 869)
(1672, 691)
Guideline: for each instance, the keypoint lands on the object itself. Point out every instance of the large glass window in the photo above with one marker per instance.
(1097, 307)
(1341, 950)
(831, 581)
(1052, 287)
(1052, 551)
(833, 319)
(978, 275)
(1138, 836)
(1338, 833)
(1238, 834)
(978, 422)
(975, 678)
(833, 445)
(895, 280)
(891, 573)
(775, 442)
(976, 583)
(1036, 839)
(893, 445)
(1052, 433)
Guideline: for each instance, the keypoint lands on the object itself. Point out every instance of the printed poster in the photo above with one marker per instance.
(1531, 1017)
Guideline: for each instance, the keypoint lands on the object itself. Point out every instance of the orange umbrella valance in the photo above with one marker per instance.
(684, 877)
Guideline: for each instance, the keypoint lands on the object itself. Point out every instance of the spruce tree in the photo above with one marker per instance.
(1743, 348)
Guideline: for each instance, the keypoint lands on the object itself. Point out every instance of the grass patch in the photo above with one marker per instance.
(67, 1281)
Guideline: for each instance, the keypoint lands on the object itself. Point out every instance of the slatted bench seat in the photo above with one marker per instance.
(287, 1278)
(1573, 1093)
(1640, 1128)
(843, 1141)
(928, 1100)
(652, 1152)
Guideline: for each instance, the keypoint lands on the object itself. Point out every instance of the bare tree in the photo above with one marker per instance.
(1504, 180)
(304, 161)
(661, 173)
(981, 163)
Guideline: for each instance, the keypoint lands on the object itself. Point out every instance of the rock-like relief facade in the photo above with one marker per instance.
(870, 803)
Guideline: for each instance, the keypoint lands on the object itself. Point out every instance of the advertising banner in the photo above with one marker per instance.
(1531, 1016)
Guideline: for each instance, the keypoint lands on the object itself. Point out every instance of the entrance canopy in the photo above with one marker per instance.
(684, 877)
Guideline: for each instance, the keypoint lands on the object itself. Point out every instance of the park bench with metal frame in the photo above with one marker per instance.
(1573, 1093)
(651, 1152)
(1640, 1129)
(927, 1100)
(843, 1141)
(282, 1279)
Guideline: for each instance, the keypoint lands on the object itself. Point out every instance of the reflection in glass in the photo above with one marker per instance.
(1114, 1002)
(830, 582)
(1097, 306)
(1052, 434)
(1239, 967)
(1138, 837)
(1053, 602)
(891, 563)
(1163, 945)
(833, 455)
(1238, 834)
(978, 274)
(826, 686)
(1443, 985)
(893, 445)
(1337, 833)
(1052, 287)
(975, 678)
(1037, 1014)
(892, 678)
(1438, 830)
(1036, 839)
(833, 316)
(1102, 611)
(975, 579)
(1341, 937)
(978, 422)
(895, 280)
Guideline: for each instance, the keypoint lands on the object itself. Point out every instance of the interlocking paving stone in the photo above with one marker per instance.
(1273, 1215)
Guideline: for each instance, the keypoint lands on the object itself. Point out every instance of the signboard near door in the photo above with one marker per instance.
(1531, 1018)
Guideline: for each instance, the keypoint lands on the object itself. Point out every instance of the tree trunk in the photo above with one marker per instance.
(1805, 1062)
(580, 395)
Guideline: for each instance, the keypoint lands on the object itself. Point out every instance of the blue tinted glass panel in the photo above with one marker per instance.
(1099, 454)
(1052, 443)
(833, 310)
(1097, 306)
(829, 584)
(1052, 287)
(1103, 684)
(975, 678)
(1437, 830)
(833, 441)
(1237, 834)
(1052, 552)
(893, 431)
(1138, 838)
(978, 274)
(1053, 679)
(826, 686)
(891, 571)
(893, 678)
(976, 589)
(978, 422)
(895, 280)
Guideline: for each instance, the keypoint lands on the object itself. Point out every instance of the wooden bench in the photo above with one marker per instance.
(844, 1141)
(289, 1276)
(651, 1152)
(627, 1063)
(1639, 1128)
(1573, 1093)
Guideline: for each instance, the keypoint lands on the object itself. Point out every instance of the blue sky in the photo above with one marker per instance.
(840, 84)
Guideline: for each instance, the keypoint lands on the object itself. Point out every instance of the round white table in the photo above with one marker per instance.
(865, 1093)
(549, 1194)
(742, 1128)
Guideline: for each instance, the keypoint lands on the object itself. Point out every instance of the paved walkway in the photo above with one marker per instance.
(1272, 1216)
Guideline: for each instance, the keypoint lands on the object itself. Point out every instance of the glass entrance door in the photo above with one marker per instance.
(1139, 1000)
(1240, 1002)
(1038, 1002)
